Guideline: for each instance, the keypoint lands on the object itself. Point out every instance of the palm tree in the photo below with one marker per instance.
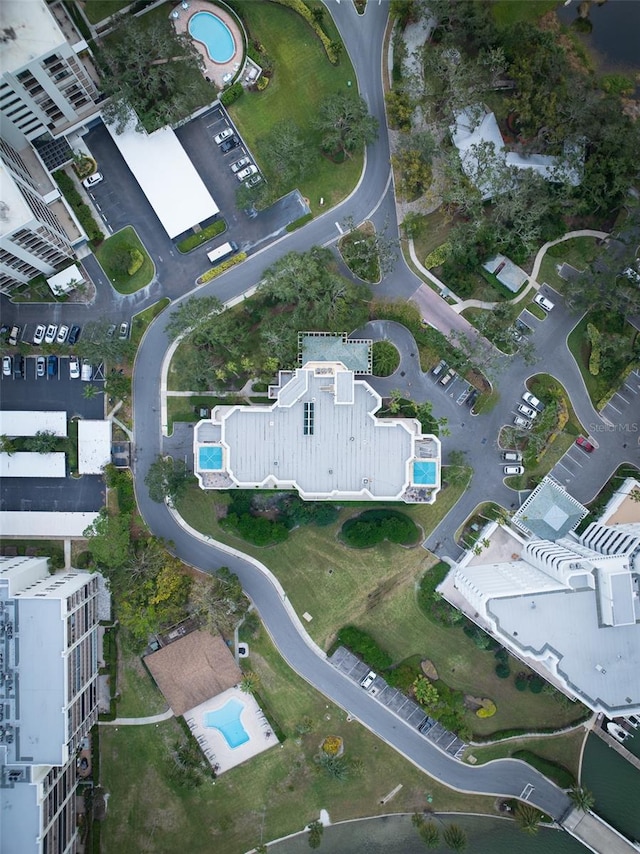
(455, 838)
(430, 835)
(250, 682)
(90, 391)
(581, 798)
(527, 818)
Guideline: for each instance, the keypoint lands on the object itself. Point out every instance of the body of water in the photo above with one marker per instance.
(615, 35)
(615, 784)
(396, 835)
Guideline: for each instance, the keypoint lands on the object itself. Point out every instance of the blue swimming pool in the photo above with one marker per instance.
(209, 458)
(214, 34)
(425, 473)
(227, 721)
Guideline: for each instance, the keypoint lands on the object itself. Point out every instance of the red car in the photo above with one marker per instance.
(585, 444)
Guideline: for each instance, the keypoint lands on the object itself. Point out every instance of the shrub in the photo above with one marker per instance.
(374, 526)
(487, 710)
(362, 643)
(594, 358)
(536, 684)
(558, 773)
(256, 529)
(332, 745)
(262, 83)
(230, 95)
(136, 260)
(195, 240)
(221, 268)
(82, 211)
(521, 682)
(502, 671)
(438, 256)
(431, 603)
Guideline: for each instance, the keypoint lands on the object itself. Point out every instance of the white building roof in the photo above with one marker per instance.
(166, 175)
(27, 464)
(321, 437)
(94, 446)
(35, 33)
(25, 423)
(66, 280)
(15, 210)
(48, 525)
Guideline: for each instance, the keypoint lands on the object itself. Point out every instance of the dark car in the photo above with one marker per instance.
(18, 365)
(230, 144)
(74, 334)
(52, 366)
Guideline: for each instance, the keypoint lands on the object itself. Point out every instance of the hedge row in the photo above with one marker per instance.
(610, 392)
(221, 268)
(298, 223)
(374, 526)
(558, 773)
(230, 95)
(195, 240)
(303, 10)
(365, 646)
(81, 210)
(593, 334)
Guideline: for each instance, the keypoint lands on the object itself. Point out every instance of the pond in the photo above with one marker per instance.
(615, 784)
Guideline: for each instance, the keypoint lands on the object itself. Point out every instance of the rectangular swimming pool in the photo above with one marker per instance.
(209, 458)
(425, 473)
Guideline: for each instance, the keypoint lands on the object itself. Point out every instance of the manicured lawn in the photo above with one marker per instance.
(302, 79)
(143, 319)
(139, 695)
(536, 310)
(578, 345)
(112, 250)
(359, 578)
(579, 252)
(278, 791)
(434, 231)
(509, 12)
(98, 10)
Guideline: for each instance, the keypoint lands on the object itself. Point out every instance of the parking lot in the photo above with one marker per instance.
(405, 708)
(57, 393)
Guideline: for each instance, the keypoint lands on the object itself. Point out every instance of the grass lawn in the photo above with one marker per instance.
(434, 231)
(509, 12)
(360, 578)
(579, 252)
(98, 10)
(303, 77)
(109, 253)
(278, 791)
(579, 346)
(144, 318)
(183, 408)
(536, 310)
(139, 695)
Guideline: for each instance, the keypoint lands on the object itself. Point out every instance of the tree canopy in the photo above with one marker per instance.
(345, 124)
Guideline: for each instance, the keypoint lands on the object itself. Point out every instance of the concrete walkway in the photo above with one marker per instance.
(152, 719)
(596, 834)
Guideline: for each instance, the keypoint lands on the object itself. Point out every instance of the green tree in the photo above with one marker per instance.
(316, 830)
(454, 837)
(109, 540)
(429, 834)
(7, 445)
(250, 682)
(90, 391)
(581, 798)
(290, 156)
(218, 600)
(426, 693)
(167, 478)
(336, 767)
(191, 314)
(44, 442)
(345, 124)
(527, 817)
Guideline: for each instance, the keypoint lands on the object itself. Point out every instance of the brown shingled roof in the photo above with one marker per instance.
(193, 669)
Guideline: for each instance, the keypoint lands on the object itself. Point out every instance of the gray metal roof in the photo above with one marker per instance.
(335, 347)
(549, 512)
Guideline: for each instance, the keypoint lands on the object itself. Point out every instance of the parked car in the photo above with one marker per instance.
(7, 366)
(368, 680)
(224, 134)
(446, 379)
(38, 335)
(543, 302)
(585, 444)
(513, 470)
(230, 144)
(41, 366)
(92, 180)
(50, 335)
(519, 421)
(439, 368)
(512, 456)
(14, 335)
(74, 334)
(253, 181)
(52, 366)
(240, 164)
(123, 333)
(86, 372)
(475, 394)
(533, 401)
(527, 410)
(19, 366)
(61, 337)
(74, 368)
(111, 331)
(247, 172)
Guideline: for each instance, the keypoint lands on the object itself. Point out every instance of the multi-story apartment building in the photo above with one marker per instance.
(48, 699)
(48, 90)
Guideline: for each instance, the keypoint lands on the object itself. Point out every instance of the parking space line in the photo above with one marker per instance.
(617, 394)
(628, 387)
(560, 463)
(619, 411)
(577, 462)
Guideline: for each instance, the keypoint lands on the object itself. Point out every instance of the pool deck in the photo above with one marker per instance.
(214, 71)
(213, 743)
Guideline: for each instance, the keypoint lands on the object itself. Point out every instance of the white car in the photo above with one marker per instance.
(240, 164)
(533, 401)
(92, 180)
(543, 302)
(521, 422)
(224, 134)
(7, 366)
(246, 173)
(513, 470)
(41, 366)
(74, 368)
(50, 335)
(526, 410)
(38, 335)
(61, 337)
(368, 680)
